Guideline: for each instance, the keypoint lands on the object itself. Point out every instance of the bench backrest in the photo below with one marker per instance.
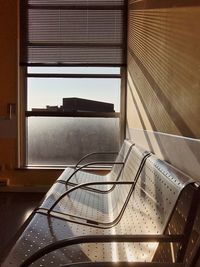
(121, 157)
(153, 201)
(193, 251)
(180, 218)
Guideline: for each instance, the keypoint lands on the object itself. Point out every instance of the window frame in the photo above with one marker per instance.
(23, 114)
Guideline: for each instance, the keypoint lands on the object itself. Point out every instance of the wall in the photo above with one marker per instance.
(8, 94)
(163, 85)
(163, 95)
(8, 83)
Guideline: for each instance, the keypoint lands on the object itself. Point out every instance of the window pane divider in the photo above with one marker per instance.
(59, 64)
(76, 7)
(86, 114)
(73, 75)
(65, 44)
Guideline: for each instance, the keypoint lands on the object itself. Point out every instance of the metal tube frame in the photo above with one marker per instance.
(100, 239)
(88, 155)
(123, 264)
(90, 183)
(89, 188)
(95, 153)
(90, 222)
(93, 163)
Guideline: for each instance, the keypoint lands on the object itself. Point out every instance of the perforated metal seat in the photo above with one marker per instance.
(150, 210)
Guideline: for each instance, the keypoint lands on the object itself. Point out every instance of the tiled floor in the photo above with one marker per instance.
(14, 210)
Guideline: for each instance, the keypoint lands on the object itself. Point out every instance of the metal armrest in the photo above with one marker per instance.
(95, 153)
(85, 185)
(88, 221)
(95, 190)
(90, 164)
(100, 239)
(123, 264)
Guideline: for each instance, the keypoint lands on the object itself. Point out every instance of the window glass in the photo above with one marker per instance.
(51, 91)
(55, 140)
(63, 141)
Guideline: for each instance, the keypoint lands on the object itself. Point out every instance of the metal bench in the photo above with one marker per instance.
(88, 203)
(159, 224)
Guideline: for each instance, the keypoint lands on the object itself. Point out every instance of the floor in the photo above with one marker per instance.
(15, 208)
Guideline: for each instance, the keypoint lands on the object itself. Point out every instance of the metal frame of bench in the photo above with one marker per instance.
(123, 264)
(87, 186)
(67, 182)
(98, 239)
(90, 222)
(94, 153)
(78, 168)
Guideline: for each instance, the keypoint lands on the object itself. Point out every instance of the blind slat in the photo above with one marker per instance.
(55, 33)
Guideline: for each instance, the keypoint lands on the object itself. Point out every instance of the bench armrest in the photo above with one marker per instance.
(100, 239)
(86, 185)
(95, 153)
(124, 264)
(90, 164)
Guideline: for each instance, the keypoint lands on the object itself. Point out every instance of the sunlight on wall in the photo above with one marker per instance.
(164, 73)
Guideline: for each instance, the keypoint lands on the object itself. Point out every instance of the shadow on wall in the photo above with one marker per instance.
(163, 65)
(167, 146)
(140, 117)
(171, 110)
(180, 151)
(163, 103)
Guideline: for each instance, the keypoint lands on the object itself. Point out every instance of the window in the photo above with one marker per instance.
(55, 136)
(72, 55)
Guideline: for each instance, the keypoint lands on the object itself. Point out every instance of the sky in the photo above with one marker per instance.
(50, 91)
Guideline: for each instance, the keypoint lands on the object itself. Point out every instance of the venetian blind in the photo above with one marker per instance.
(73, 33)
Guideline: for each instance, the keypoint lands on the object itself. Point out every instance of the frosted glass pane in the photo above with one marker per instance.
(50, 91)
(63, 141)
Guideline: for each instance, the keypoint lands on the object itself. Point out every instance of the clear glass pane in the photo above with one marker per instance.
(51, 91)
(75, 70)
(63, 141)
